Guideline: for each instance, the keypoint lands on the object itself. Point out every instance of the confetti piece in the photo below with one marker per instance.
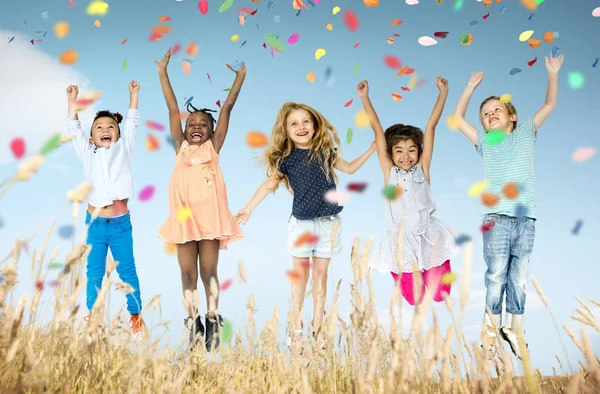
(583, 154)
(426, 41)
(510, 191)
(466, 38)
(371, 3)
(97, 8)
(243, 43)
(234, 38)
(529, 4)
(124, 41)
(270, 5)
(595, 62)
(61, 29)
(203, 6)
(124, 66)
(361, 119)
(86, 99)
(294, 276)
(495, 137)
(487, 226)
(335, 10)
(351, 20)
(170, 249)
(405, 70)
(17, 146)
(357, 187)
(441, 34)
(392, 61)
(596, 12)
(334, 196)
(39, 285)
(505, 98)
(473, 22)
(184, 214)
(97, 23)
(390, 40)
(54, 266)
(453, 122)
(412, 2)
(548, 37)
(226, 332)
(186, 67)
(306, 238)
(534, 43)
(256, 139)
(154, 125)
(462, 239)
(226, 285)
(489, 200)
(349, 134)
(319, 53)
(51, 144)
(68, 57)
(477, 188)
(532, 62)
(526, 35)
(329, 27)
(391, 192)
(356, 45)
(45, 15)
(164, 18)
(146, 193)
(577, 227)
(486, 16)
(293, 38)
(310, 77)
(152, 143)
(274, 42)
(514, 71)
(225, 6)
(449, 278)
(348, 103)
(66, 231)
(277, 18)
(11, 39)
(396, 22)
(396, 97)
(356, 68)
(576, 80)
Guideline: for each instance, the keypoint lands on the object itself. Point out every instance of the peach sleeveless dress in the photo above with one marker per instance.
(198, 199)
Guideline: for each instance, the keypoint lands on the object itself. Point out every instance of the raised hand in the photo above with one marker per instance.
(242, 69)
(134, 87)
(363, 89)
(553, 63)
(243, 216)
(476, 79)
(442, 84)
(162, 65)
(72, 92)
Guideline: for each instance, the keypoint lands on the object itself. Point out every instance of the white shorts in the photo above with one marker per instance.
(329, 243)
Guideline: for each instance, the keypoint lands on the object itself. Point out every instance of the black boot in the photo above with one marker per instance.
(213, 328)
(196, 327)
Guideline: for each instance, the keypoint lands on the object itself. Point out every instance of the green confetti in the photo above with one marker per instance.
(458, 5)
(51, 144)
(390, 192)
(495, 137)
(227, 90)
(576, 80)
(124, 64)
(464, 38)
(55, 266)
(227, 331)
(356, 68)
(349, 135)
(225, 6)
(273, 41)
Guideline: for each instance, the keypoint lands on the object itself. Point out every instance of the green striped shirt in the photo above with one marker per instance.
(510, 161)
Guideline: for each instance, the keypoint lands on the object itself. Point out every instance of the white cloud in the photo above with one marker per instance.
(33, 102)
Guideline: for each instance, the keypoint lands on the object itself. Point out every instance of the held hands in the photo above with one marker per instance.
(134, 87)
(72, 92)
(363, 89)
(162, 65)
(373, 147)
(241, 71)
(553, 63)
(243, 216)
(442, 84)
(475, 79)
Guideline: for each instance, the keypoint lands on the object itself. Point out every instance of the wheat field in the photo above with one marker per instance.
(359, 356)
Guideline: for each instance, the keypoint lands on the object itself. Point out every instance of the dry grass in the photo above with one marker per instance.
(360, 357)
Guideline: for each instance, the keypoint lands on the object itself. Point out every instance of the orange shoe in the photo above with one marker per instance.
(137, 324)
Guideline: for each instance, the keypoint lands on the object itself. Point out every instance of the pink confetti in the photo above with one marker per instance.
(124, 41)
(17, 146)
(348, 103)
(293, 38)
(203, 6)
(583, 154)
(154, 125)
(226, 285)
(351, 20)
(392, 61)
(146, 193)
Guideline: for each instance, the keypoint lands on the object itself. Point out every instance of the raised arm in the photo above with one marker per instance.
(263, 190)
(132, 116)
(80, 141)
(385, 162)
(553, 66)
(174, 116)
(427, 154)
(465, 127)
(350, 168)
(225, 113)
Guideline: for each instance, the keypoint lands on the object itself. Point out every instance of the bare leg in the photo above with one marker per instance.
(209, 259)
(187, 256)
(298, 290)
(319, 285)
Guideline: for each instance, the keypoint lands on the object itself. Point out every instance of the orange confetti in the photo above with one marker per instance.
(511, 191)
(534, 43)
(61, 29)
(489, 200)
(192, 48)
(329, 27)
(160, 30)
(294, 276)
(396, 96)
(529, 4)
(171, 249)
(186, 67)
(97, 23)
(69, 57)
(397, 22)
(371, 3)
(152, 143)
(256, 139)
(310, 77)
(164, 18)
(390, 40)
(487, 3)
(549, 37)
(306, 238)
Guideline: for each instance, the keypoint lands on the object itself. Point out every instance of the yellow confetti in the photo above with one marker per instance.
(61, 29)
(413, 81)
(320, 53)
(453, 122)
(68, 57)
(184, 214)
(362, 119)
(310, 77)
(477, 188)
(505, 98)
(329, 27)
(390, 40)
(335, 10)
(397, 97)
(97, 7)
(97, 23)
(171, 249)
(526, 35)
(235, 38)
(449, 278)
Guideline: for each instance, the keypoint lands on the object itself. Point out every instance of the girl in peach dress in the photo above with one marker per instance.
(199, 223)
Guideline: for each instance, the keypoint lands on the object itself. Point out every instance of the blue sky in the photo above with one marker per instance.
(33, 105)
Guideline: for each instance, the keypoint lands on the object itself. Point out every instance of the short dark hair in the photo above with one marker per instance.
(400, 132)
(205, 111)
(107, 114)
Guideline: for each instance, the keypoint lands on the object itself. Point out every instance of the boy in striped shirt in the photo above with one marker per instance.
(509, 202)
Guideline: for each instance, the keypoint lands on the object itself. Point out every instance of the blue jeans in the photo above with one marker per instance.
(507, 248)
(116, 234)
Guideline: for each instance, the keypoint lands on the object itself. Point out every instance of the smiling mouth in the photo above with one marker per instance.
(106, 138)
(492, 120)
(197, 136)
(406, 162)
(302, 133)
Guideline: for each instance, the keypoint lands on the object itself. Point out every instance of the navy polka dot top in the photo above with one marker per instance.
(309, 183)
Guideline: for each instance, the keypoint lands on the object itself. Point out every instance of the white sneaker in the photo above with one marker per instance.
(510, 336)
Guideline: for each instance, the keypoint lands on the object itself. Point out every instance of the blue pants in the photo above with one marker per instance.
(507, 248)
(116, 234)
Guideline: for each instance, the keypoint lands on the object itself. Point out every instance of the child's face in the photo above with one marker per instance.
(494, 116)
(300, 128)
(105, 131)
(405, 154)
(198, 128)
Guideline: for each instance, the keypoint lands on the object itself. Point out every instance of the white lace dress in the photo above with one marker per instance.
(428, 242)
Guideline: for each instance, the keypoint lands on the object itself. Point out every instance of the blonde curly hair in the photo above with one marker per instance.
(324, 144)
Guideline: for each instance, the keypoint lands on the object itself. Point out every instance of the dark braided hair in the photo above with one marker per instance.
(400, 132)
(206, 111)
(107, 114)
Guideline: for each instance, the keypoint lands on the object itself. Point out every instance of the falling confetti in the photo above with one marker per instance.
(86, 100)
(124, 66)
(583, 154)
(97, 23)
(477, 188)
(45, 15)
(227, 331)
(61, 29)
(11, 39)
(335, 10)
(453, 122)
(449, 278)
(124, 41)
(51, 144)
(170, 249)
(595, 62)
(396, 96)
(391, 192)
(203, 6)
(390, 40)
(351, 20)
(534, 43)
(495, 137)
(426, 41)
(156, 126)
(596, 12)
(54, 266)
(357, 187)
(17, 146)
(392, 61)
(462, 239)
(548, 37)
(489, 200)
(505, 98)
(371, 3)
(348, 103)
(526, 35)
(532, 62)
(310, 77)
(164, 18)
(319, 53)
(361, 119)
(256, 139)
(294, 276)
(396, 22)
(306, 238)
(466, 38)
(152, 143)
(510, 191)
(334, 196)
(225, 6)
(68, 57)
(226, 285)
(293, 38)
(514, 71)
(184, 214)
(97, 8)
(576, 80)
(234, 38)
(356, 68)
(577, 227)
(349, 134)
(66, 231)
(274, 42)
(186, 67)
(329, 27)
(440, 34)
(529, 4)
(487, 226)
(146, 193)
(556, 51)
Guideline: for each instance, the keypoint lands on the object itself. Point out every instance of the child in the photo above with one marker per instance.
(428, 245)
(199, 222)
(509, 212)
(303, 155)
(106, 156)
